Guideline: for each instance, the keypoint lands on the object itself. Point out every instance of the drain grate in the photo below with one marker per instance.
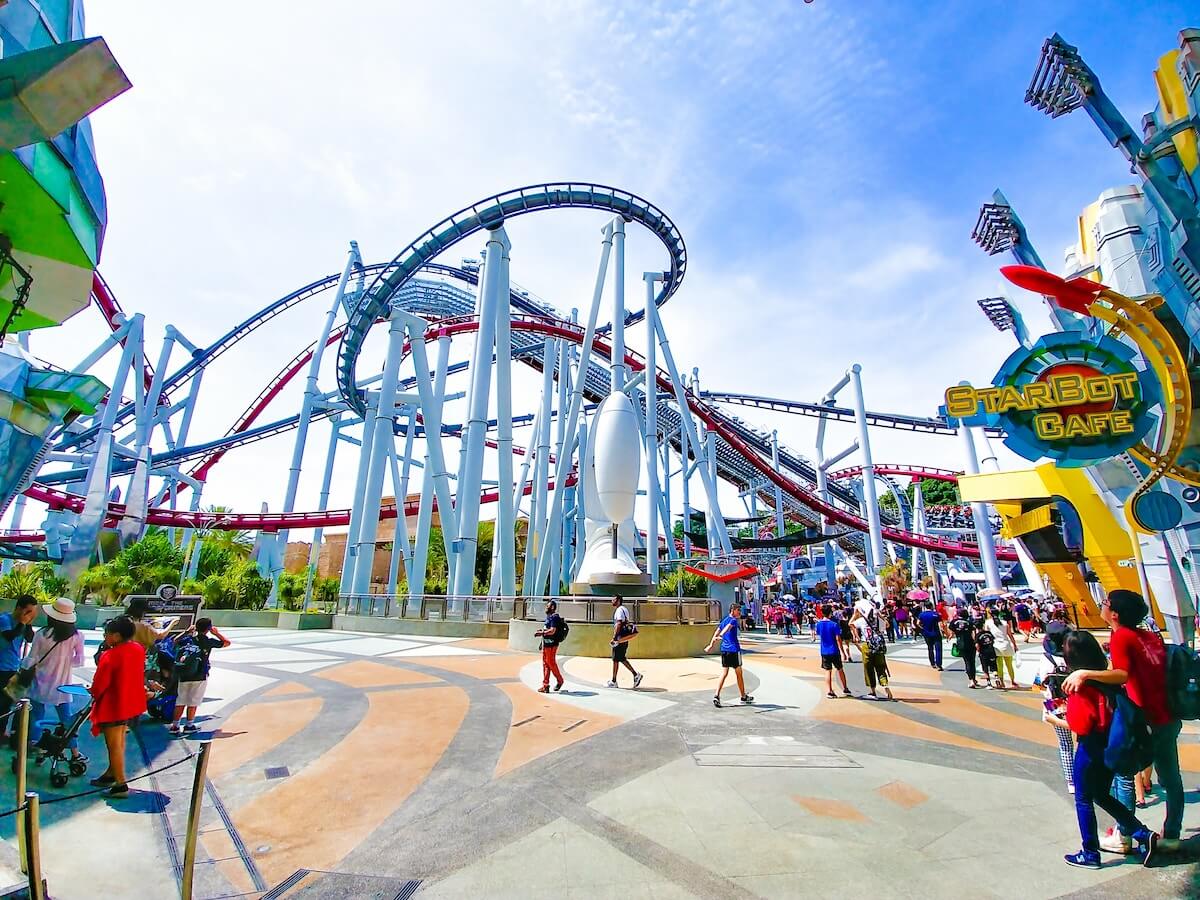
(304, 883)
(277, 772)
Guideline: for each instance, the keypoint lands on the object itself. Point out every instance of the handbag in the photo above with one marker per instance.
(26, 675)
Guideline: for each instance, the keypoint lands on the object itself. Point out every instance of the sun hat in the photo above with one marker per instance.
(61, 609)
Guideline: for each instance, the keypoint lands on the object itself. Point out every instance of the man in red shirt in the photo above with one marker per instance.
(1139, 661)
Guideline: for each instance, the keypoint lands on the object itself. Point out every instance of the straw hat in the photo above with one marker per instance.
(61, 609)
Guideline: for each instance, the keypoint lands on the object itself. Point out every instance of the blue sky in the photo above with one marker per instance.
(824, 161)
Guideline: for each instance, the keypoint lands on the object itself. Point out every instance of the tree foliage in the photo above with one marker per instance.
(692, 585)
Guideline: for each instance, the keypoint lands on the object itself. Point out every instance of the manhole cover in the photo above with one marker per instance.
(277, 772)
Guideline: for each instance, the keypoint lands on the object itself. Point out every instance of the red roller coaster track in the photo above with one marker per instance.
(273, 522)
(899, 469)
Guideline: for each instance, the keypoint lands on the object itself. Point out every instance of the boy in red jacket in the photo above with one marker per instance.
(1089, 716)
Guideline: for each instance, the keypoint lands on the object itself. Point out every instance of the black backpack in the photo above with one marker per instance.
(189, 664)
(1183, 682)
(561, 630)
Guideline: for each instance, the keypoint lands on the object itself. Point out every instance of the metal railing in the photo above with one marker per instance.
(439, 608)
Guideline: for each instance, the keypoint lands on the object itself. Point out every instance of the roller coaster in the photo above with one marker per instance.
(147, 436)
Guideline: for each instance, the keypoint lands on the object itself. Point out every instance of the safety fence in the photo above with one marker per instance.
(29, 804)
(439, 608)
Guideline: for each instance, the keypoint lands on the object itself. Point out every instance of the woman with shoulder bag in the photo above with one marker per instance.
(56, 650)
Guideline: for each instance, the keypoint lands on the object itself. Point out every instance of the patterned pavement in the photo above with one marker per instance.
(355, 765)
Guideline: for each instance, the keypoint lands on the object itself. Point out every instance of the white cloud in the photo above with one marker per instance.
(250, 152)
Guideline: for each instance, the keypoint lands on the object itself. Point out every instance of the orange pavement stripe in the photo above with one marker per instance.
(256, 728)
(365, 673)
(494, 645)
(873, 715)
(831, 809)
(555, 726)
(972, 712)
(902, 794)
(314, 818)
(506, 666)
(918, 673)
(287, 687)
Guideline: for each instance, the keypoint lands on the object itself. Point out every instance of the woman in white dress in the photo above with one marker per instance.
(56, 650)
(1000, 628)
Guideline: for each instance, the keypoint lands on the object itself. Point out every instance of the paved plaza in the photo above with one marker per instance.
(354, 765)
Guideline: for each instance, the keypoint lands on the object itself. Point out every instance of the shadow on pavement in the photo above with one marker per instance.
(139, 802)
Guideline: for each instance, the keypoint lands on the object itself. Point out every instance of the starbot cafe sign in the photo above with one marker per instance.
(1073, 401)
(1065, 405)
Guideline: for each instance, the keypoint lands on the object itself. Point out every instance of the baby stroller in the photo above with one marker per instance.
(53, 745)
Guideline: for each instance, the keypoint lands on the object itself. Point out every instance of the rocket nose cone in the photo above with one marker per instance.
(618, 456)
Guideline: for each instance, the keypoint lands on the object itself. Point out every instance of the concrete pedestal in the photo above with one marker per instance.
(592, 639)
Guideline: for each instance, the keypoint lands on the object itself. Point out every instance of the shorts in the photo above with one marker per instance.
(123, 723)
(731, 660)
(1026, 627)
(191, 693)
(831, 661)
(619, 651)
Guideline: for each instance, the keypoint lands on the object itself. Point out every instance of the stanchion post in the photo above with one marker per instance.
(21, 762)
(193, 826)
(32, 857)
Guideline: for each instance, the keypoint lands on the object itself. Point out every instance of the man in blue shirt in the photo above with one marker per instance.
(15, 629)
(731, 652)
(829, 631)
(932, 628)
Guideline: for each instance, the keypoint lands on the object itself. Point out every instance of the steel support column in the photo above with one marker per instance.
(492, 292)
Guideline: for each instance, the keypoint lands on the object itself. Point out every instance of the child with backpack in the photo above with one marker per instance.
(191, 668)
(874, 652)
(1089, 715)
(986, 644)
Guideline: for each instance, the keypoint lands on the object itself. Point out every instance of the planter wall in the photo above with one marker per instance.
(652, 641)
(439, 628)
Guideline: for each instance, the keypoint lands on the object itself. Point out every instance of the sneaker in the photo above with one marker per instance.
(831, 695)
(846, 693)
(103, 781)
(544, 689)
(637, 679)
(1147, 842)
(1083, 860)
(191, 728)
(559, 686)
(991, 687)
(747, 699)
(1112, 841)
(717, 702)
(611, 684)
(174, 728)
(119, 790)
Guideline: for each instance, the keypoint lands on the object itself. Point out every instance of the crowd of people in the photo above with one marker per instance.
(139, 668)
(983, 632)
(1084, 681)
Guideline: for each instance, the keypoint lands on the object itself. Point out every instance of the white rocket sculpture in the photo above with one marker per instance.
(612, 467)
